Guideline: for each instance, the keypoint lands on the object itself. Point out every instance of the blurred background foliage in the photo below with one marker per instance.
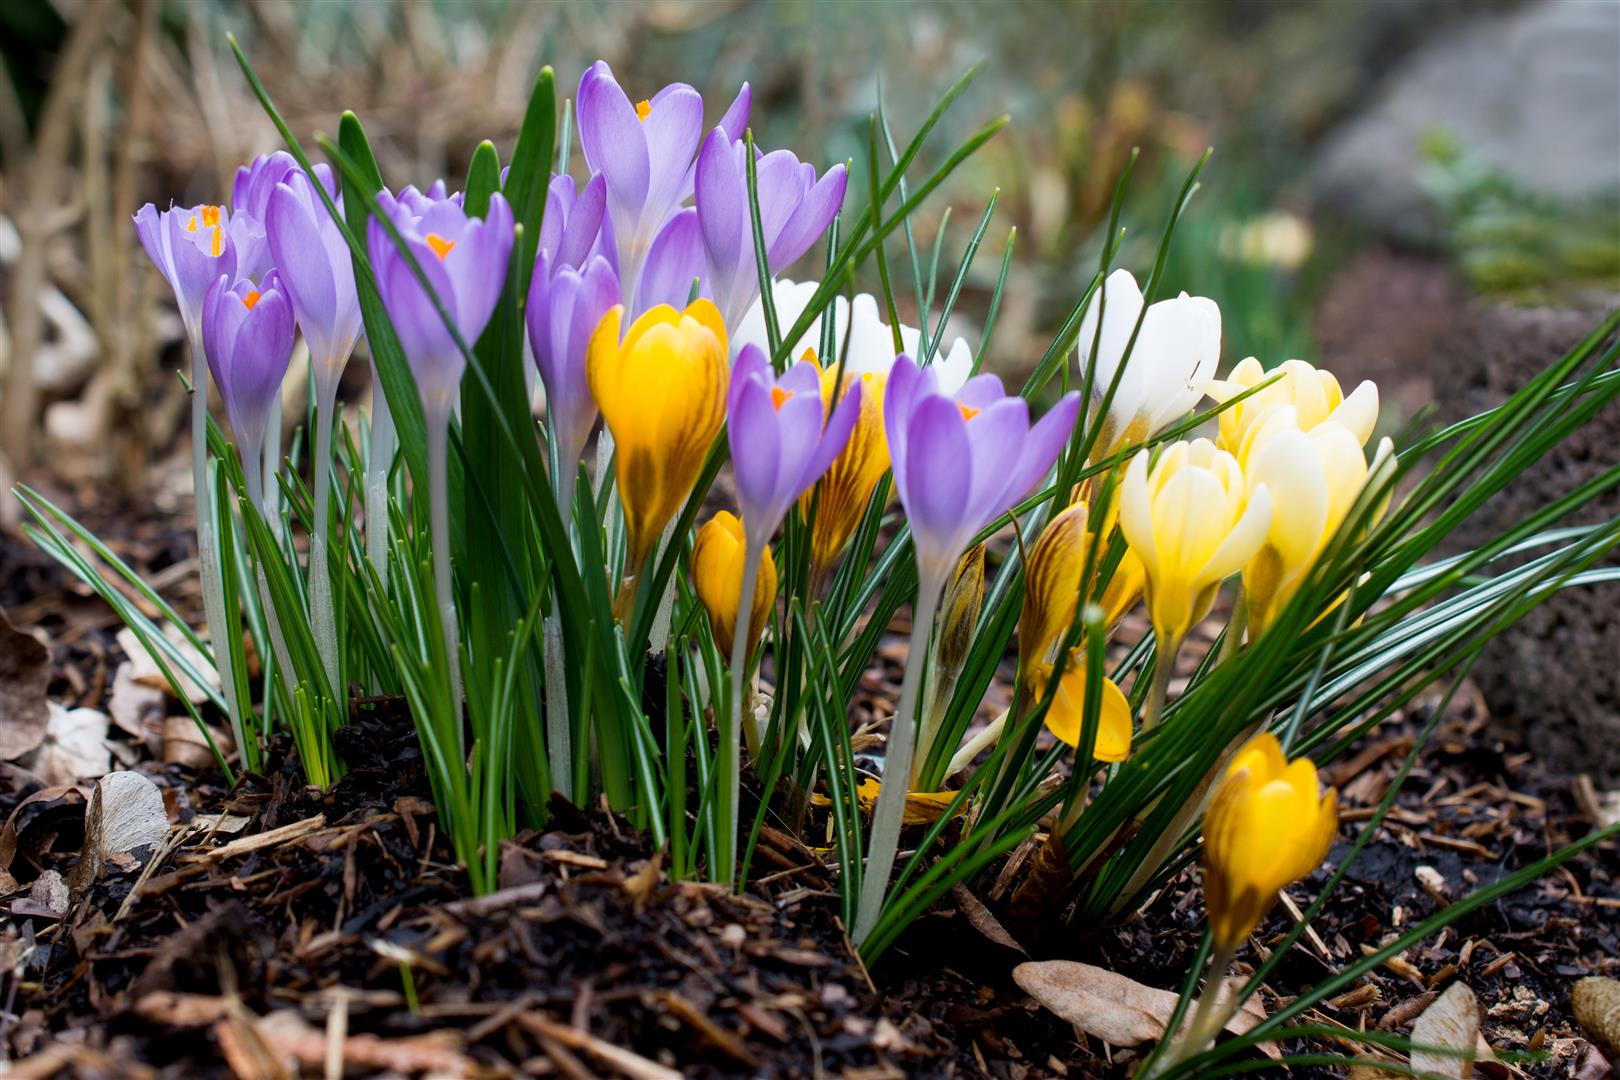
(105, 104)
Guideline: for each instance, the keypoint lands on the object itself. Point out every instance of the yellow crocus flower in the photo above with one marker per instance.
(717, 573)
(846, 487)
(1063, 718)
(1193, 522)
(1314, 394)
(1267, 827)
(1314, 478)
(662, 393)
(1052, 586)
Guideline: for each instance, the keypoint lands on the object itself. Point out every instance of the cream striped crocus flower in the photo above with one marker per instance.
(1313, 393)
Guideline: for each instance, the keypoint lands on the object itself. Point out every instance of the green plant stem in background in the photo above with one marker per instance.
(438, 431)
(379, 462)
(322, 616)
(559, 725)
(891, 804)
(208, 542)
(258, 496)
(733, 721)
(1209, 1018)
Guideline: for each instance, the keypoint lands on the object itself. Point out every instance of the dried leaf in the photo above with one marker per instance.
(75, 746)
(983, 920)
(133, 815)
(50, 891)
(147, 672)
(1117, 1010)
(1445, 1038)
(1596, 1003)
(25, 672)
(137, 709)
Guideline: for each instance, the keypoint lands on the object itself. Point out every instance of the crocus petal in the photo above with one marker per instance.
(610, 134)
(819, 206)
(674, 262)
(933, 490)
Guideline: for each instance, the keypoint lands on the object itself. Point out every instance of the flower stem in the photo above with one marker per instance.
(320, 571)
(213, 588)
(1209, 1017)
(310, 751)
(438, 430)
(731, 718)
(378, 463)
(886, 819)
(559, 728)
(1164, 666)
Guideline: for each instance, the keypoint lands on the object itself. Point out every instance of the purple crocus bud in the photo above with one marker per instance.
(563, 309)
(644, 151)
(571, 230)
(960, 460)
(674, 262)
(464, 259)
(779, 445)
(247, 334)
(250, 201)
(192, 248)
(795, 208)
(316, 271)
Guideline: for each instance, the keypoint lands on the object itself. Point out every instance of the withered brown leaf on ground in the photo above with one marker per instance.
(1596, 1001)
(1445, 1038)
(1116, 1009)
(25, 674)
(75, 746)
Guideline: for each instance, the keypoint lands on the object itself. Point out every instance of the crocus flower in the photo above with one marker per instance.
(192, 248)
(1193, 522)
(795, 208)
(1175, 355)
(779, 443)
(1313, 393)
(960, 460)
(572, 287)
(1052, 587)
(1314, 478)
(464, 259)
(674, 263)
(717, 574)
(662, 393)
(870, 340)
(250, 205)
(1267, 827)
(1066, 715)
(248, 337)
(316, 270)
(645, 152)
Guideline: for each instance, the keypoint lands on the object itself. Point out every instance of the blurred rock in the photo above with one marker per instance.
(1534, 94)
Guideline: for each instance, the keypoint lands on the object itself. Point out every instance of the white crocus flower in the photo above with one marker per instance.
(871, 342)
(1175, 355)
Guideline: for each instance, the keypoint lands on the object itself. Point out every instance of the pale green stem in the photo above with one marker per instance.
(658, 633)
(272, 462)
(891, 804)
(208, 565)
(1209, 1017)
(257, 495)
(731, 718)
(438, 431)
(322, 615)
(979, 742)
(559, 729)
(378, 464)
(1235, 627)
(1164, 667)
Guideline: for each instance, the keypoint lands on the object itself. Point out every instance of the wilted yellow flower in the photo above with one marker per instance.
(922, 807)
(1068, 709)
(1313, 392)
(717, 573)
(1052, 584)
(1267, 827)
(662, 393)
(1314, 478)
(1193, 522)
(847, 486)
(959, 611)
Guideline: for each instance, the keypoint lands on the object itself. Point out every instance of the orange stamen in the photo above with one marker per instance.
(778, 396)
(210, 215)
(219, 239)
(643, 108)
(968, 411)
(250, 299)
(441, 247)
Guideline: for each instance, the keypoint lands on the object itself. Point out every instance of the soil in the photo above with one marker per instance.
(302, 925)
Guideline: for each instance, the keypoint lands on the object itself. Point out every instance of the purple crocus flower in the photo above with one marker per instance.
(674, 262)
(795, 208)
(644, 151)
(247, 333)
(464, 259)
(961, 460)
(250, 203)
(779, 445)
(192, 247)
(573, 286)
(313, 261)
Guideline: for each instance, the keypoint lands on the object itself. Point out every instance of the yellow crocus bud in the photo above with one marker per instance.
(1052, 585)
(1267, 827)
(1314, 478)
(1063, 718)
(847, 486)
(717, 573)
(959, 612)
(1313, 392)
(662, 393)
(1193, 522)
